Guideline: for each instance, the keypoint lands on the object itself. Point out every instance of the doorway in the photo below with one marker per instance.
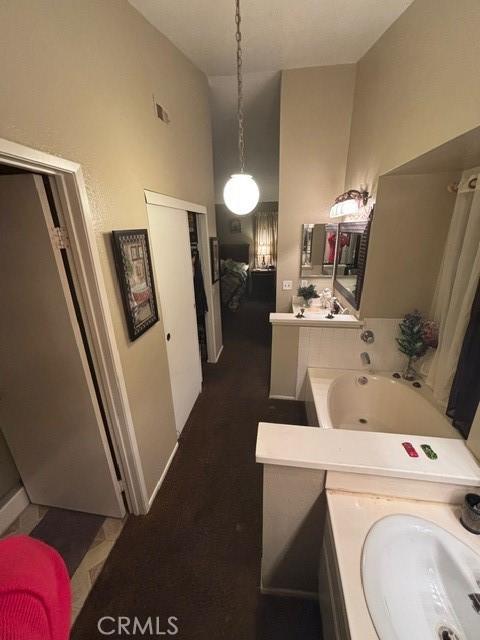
(171, 249)
(66, 179)
(201, 303)
(51, 414)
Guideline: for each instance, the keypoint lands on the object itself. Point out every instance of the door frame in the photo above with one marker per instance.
(70, 185)
(162, 200)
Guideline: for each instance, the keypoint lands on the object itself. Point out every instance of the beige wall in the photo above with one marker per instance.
(77, 80)
(413, 91)
(9, 477)
(409, 230)
(284, 361)
(315, 114)
(294, 509)
(416, 88)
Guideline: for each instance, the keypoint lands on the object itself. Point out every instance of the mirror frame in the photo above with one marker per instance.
(364, 228)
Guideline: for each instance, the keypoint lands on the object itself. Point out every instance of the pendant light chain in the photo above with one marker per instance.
(241, 136)
(241, 192)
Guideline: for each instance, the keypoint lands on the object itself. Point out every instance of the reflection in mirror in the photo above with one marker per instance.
(352, 247)
(318, 251)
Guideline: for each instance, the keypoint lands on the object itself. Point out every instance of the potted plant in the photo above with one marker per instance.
(416, 336)
(308, 294)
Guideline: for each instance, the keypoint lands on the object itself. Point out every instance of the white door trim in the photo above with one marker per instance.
(162, 200)
(68, 177)
(152, 197)
(164, 474)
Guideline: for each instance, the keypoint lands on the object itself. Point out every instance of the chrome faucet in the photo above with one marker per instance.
(367, 336)
(365, 358)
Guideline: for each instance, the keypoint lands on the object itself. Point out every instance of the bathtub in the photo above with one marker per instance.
(361, 401)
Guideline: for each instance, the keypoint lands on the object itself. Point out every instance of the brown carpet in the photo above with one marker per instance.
(196, 555)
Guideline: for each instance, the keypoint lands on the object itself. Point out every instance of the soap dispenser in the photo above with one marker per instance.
(470, 516)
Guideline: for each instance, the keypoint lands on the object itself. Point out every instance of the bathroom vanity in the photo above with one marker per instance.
(396, 568)
(323, 491)
(361, 509)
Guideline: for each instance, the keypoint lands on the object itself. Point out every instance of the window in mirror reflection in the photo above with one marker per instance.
(318, 250)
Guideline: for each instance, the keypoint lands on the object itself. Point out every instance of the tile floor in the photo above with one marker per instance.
(26, 521)
(91, 566)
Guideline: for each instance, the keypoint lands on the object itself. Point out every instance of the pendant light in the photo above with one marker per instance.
(241, 192)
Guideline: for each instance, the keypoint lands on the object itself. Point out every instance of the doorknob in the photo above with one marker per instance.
(168, 337)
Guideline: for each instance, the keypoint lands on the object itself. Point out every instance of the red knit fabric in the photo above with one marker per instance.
(34, 591)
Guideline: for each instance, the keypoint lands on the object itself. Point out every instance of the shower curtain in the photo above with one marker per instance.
(457, 285)
(465, 393)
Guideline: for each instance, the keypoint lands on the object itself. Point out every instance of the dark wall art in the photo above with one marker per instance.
(134, 270)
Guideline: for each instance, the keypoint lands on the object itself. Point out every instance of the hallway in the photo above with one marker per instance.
(196, 555)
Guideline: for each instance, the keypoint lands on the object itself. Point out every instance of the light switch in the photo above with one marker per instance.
(287, 285)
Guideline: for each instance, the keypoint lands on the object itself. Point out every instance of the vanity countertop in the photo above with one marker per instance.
(366, 452)
(316, 319)
(351, 516)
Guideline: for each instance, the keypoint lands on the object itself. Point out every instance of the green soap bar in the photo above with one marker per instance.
(429, 452)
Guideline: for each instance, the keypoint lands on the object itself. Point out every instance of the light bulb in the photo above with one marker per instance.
(241, 194)
(344, 208)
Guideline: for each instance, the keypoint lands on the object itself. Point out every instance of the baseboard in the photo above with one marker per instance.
(217, 357)
(276, 397)
(288, 593)
(162, 477)
(12, 508)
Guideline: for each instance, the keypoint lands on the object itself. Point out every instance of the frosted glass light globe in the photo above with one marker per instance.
(241, 194)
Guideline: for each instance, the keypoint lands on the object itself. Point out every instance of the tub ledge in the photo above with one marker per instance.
(366, 452)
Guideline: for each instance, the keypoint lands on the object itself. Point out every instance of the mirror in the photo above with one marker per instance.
(317, 251)
(352, 245)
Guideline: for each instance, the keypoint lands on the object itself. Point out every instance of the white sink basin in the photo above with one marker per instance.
(420, 582)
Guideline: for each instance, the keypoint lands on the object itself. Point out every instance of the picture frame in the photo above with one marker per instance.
(131, 253)
(235, 226)
(215, 259)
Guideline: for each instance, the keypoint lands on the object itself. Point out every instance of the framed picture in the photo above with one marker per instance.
(134, 270)
(235, 226)
(215, 258)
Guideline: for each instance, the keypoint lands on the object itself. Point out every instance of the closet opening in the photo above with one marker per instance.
(179, 244)
(201, 303)
(60, 477)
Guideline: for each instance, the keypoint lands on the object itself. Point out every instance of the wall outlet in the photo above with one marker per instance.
(287, 285)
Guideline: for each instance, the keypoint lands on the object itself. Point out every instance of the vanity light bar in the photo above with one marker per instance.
(348, 203)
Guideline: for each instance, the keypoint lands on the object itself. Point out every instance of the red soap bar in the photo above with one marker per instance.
(410, 449)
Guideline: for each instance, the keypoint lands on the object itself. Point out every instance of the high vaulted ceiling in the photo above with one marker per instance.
(277, 34)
